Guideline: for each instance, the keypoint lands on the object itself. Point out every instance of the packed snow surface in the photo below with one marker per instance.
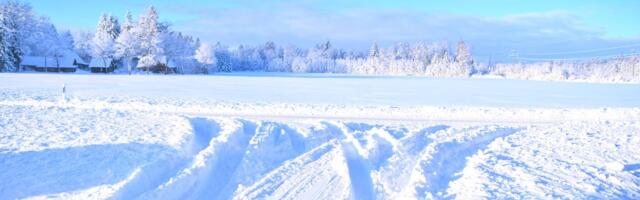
(315, 137)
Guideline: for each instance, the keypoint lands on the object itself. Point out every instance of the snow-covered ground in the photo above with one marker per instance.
(256, 136)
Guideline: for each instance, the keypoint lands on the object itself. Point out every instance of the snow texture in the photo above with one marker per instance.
(131, 141)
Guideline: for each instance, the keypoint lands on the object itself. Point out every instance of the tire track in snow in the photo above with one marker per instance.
(358, 167)
(153, 175)
(449, 159)
(211, 168)
(396, 173)
(319, 173)
(272, 144)
(359, 172)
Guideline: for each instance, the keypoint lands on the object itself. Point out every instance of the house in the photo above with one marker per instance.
(68, 62)
(36, 63)
(73, 59)
(100, 65)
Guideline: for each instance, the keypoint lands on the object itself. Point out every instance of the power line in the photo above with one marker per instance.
(514, 55)
(581, 58)
(584, 51)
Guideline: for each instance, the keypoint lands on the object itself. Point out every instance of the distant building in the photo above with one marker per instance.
(68, 62)
(99, 65)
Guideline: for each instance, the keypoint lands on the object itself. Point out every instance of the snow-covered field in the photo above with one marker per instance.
(282, 136)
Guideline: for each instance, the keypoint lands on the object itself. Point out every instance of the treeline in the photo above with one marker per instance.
(617, 69)
(146, 44)
(427, 59)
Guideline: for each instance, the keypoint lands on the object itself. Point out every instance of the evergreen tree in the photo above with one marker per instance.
(374, 52)
(128, 43)
(150, 39)
(3, 45)
(104, 39)
(463, 56)
(223, 59)
(16, 20)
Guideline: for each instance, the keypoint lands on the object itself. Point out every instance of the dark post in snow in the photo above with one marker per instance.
(64, 93)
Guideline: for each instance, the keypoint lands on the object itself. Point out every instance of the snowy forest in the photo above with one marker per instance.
(144, 44)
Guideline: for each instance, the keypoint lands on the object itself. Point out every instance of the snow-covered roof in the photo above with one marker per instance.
(38, 61)
(67, 60)
(100, 63)
(32, 60)
(71, 56)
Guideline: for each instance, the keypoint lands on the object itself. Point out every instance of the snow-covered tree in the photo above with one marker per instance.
(83, 45)
(128, 22)
(128, 43)
(3, 46)
(205, 55)
(150, 37)
(402, 51)
(223, 58)
(374, 52)
(463, 56)
(300, 64)
(50, 44)
(65, 39)
(179, 49)
(46, 34)
(104, 39)
(17, 19)
(463, 61)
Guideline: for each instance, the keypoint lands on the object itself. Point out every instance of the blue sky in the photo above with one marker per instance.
(535, 29)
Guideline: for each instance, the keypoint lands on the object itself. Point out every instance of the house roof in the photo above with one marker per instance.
(70, 57)
(39, 61)
(65, 61)
(68, 60)
(32, 60)
(100, 63)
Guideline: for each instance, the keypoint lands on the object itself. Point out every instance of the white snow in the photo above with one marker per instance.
(335, 89)
(315, 137)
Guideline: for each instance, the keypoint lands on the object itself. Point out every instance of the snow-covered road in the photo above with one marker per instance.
(225, 137)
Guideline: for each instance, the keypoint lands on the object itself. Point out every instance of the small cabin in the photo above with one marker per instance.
(65, 63)
(36, 63)
(100, 65)
(69, 62)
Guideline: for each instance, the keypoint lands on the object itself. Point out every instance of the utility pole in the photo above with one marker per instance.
(514, 56)
(633, 56)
